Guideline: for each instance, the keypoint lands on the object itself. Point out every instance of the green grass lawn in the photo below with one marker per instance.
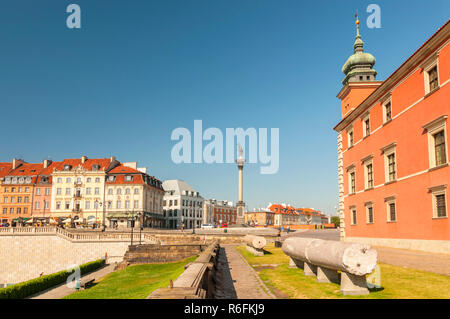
(396, 282)
(133, 282)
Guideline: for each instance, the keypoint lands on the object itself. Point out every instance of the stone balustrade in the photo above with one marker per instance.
(79, 236)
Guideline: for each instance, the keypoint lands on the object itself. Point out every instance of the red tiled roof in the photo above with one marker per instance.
(27, 169)
(122, 169)
(120, 179)
(88, 164)
(4, 169)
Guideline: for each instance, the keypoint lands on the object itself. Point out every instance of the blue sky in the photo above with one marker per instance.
(136, 70)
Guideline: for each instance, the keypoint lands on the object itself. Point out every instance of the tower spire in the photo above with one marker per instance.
(359, 66)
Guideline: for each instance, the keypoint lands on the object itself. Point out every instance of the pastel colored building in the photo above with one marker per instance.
(286, 215)
(78, 187)
(16, 192)
(393, 149)
(260, 218)
(133, 194)
(42, 194)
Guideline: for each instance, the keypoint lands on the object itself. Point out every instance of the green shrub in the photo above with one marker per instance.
(30, 287)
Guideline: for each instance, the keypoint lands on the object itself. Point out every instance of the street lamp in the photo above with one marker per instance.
(193, 228)
(97, 202)
(140, 227)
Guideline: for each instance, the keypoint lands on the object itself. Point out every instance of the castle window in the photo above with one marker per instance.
(433, 78)
(369, 213)
(350, 138)
(353, 215)
(439, 201)
(366, 125)
(369, 175)
(437, 142)
(387, 111)
(439, 148)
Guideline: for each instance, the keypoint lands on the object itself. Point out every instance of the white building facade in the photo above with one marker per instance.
(182, 205)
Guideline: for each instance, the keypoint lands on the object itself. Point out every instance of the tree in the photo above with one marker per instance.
(335, 220)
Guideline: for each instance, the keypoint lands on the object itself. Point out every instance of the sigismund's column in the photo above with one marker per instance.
(240, 204)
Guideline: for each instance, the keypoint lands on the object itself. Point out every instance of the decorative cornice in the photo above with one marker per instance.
(435, 122)
(365, 159)
(393, 144)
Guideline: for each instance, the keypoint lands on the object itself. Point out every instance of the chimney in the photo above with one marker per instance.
(112, 159)
(83, 159)
(16, 163)
(47, 163)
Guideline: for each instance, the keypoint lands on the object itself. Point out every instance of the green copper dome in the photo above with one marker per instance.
(359, 66)
(358, 59)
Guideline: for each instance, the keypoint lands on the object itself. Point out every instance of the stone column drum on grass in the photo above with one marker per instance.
(255, 244)
(354, 261)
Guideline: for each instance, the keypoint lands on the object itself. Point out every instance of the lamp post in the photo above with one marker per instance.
(193, 227)
(140, 227)
(96, 210)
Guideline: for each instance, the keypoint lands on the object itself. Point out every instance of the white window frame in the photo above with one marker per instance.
(349, 143)
(350, 171)
(366, 161)
(435, 191)
(352, 220)
(367, 206)
(388, 201)
(386, 102)
(364, 118)
(426, 77)
(433, 128)
(389, 150)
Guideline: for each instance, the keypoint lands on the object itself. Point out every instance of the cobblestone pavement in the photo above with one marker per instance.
(61, 291)
(236, 278)
(421, 260)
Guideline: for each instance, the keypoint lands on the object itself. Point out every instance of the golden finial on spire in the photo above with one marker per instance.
(357, 23)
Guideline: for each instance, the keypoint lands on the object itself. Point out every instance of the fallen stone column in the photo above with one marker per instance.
(255, 244)
(354, 261)
(295, 248)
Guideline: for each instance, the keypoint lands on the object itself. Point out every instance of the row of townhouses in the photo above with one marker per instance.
(84, 190)
(101, 191)
(285, 215)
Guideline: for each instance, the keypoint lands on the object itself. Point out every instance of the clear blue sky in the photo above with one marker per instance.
(138, 69)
